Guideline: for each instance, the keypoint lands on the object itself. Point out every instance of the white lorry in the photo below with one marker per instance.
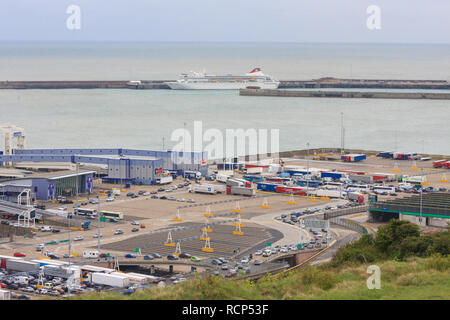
(109, 279)
(207, 188)
(220, 177)
(164, 180)
(248, 192)
(330, 193)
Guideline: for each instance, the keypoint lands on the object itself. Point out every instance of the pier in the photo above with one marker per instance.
(328, 82)
(343, 94)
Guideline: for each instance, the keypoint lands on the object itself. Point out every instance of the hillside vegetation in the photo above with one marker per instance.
(413, 266)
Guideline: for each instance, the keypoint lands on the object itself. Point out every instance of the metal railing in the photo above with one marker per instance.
(349, 224)
(343, 212)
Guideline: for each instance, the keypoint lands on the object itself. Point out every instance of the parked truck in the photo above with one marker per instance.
(220, 177)
(356, 196)
(234, 183)
(109, 280)
(206, 188)
(22, 265)
(248, 192)
(331, 193)
(164, 180)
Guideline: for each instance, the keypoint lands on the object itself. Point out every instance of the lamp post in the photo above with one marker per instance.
(98, 224)
(307, 169)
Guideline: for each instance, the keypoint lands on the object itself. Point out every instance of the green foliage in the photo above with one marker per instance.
(390, 236)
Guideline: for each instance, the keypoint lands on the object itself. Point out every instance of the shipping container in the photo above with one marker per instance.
(405, 156)
(361, 178)
(353, 157)
(109, 280)
(253, 170)
(332, 175)
(269, 187)
(22, 266)
(5, 295)
(439, 163)
(253, 178)
(291, 190)
(234, 183)
(331, 193)
(385, 154)
(248, 192)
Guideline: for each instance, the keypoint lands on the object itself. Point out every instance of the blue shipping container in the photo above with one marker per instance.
(270, 187)
(332, 175)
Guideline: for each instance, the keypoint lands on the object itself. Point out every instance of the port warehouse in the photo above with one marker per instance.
(429, 209)
(123, 166)
(48, 185)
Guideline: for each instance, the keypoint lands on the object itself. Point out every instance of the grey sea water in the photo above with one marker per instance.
(141, 118)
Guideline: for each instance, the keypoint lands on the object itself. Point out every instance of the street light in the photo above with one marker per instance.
(307, 169)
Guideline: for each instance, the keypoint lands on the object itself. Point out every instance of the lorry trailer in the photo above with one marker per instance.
(109, 279)
(248, 192)
(353, 157)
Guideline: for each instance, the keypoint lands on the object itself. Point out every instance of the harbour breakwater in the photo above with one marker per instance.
(328, 82)
(343, 94)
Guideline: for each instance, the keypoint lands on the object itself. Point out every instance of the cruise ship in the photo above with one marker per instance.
(203, 81)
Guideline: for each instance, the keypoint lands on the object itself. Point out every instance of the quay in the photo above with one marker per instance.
(343, 94)
(328, 82)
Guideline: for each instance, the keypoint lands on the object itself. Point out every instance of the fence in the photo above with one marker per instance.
(349, 224)
(344, 212)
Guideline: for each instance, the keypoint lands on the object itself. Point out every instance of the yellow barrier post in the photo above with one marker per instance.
(396, 169)
(238, 208)
(414, 166)
(177, 217)
(291, 199)
(169, 242)
(208, 212)
(177, 249)
(207, 247)
(265, 204)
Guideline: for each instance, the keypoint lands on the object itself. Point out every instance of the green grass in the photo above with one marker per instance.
(414, 278)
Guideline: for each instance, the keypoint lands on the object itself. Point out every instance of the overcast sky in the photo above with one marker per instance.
(402, 21)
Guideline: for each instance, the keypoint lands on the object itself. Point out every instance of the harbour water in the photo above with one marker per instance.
(141, 118)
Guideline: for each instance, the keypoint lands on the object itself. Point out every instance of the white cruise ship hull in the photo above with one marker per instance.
(183, 85)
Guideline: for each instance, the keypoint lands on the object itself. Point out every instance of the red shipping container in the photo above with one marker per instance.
(378, 178)
(447, 165)
(228, 190)
(289, 190)
(439, 163)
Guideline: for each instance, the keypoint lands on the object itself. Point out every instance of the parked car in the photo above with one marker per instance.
(118, 231)
(172, 257)
(78, 238)
(184, 255)
(134, 230)
(19, 254)
(130, 256)
(148, 257)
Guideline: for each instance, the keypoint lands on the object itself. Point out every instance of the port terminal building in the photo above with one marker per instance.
(131, 166)
(432, 209)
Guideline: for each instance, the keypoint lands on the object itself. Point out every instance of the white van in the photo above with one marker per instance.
(91, 254)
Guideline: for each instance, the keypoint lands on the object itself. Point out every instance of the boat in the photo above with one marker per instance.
(255, 79)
